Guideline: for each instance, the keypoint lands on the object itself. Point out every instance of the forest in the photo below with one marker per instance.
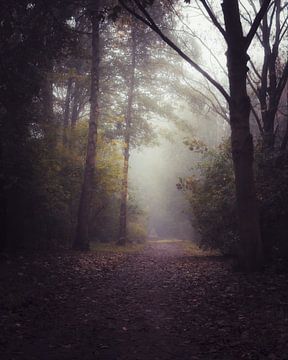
(144, 179)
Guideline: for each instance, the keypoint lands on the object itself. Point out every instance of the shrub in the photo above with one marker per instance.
(213, 201)
(136, 232)
(272, 188)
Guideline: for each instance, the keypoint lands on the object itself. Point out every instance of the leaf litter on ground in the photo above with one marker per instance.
(158, 303)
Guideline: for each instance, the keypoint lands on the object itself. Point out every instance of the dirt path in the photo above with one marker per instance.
(159, 304)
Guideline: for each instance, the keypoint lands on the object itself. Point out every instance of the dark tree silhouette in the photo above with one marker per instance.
(128, 118)
(268, 82)
(81, 241)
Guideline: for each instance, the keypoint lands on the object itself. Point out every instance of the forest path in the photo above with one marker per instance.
(159, 304)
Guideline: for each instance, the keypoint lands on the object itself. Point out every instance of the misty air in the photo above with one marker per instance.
(144, 180)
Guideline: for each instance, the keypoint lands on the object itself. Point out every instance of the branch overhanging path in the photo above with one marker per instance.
(150, 22)
(146, 18)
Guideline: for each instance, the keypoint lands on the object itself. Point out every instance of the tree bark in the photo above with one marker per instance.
(285, 137)
(251, 255)
(81, 241)
(75, 105)
(271, 83)
(48, 108)
(47, 98)
(124, 192)
(67, 110)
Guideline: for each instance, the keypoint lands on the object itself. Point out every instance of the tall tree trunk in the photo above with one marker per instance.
(75, 105)
(124, 192)
(269, 86)
(47, 98)
(67, 110)
(241, 139)
(268, 122)
(47, 108)
(81, 241)
(285, 137)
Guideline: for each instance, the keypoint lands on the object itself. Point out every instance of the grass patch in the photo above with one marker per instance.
(194, 250)
(114, 248)
(164, 241)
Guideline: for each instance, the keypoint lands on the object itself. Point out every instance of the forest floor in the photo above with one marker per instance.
(159, 303)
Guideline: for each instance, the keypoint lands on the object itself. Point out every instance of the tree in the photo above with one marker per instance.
(268, 81)
(250, 252)
(71, 79)
(27, 56)
(81, 241)
(131, 106)
(67, 110)
(128, 119)
(136, 129)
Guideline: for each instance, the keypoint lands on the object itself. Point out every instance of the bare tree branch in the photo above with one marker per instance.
(285, 27)
(147, 19)
(252, 3)
(254, 69)
(213, 18)
(281, 84)
(249, 19)
(220, 110)
(257, 120)
(277, 10)
(198, 7)
(192, 33)
(250, 81)
(285, 5)
(257, 22)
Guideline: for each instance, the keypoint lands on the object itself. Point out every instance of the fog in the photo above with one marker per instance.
(155, 170)
(153, 176)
